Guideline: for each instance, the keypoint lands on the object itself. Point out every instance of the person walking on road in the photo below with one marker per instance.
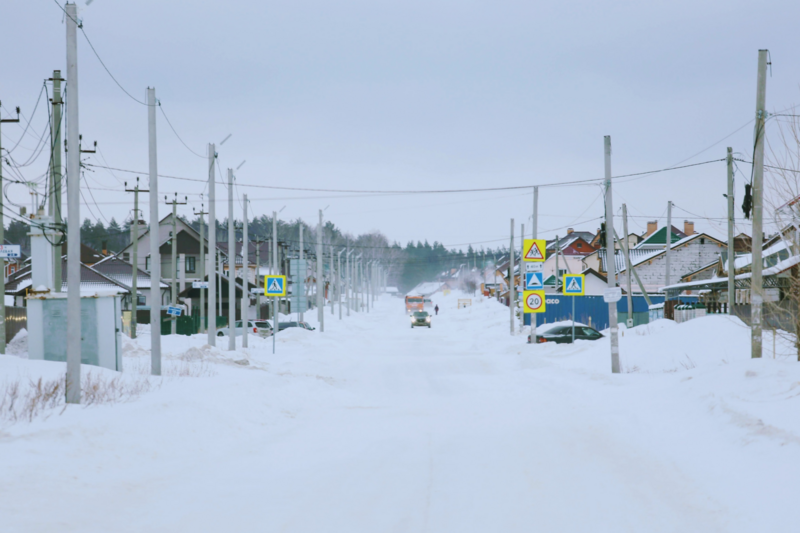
(436, 309)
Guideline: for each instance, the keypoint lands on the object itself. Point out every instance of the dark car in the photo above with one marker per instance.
(420, 318)
(284, 325)
(563, 335)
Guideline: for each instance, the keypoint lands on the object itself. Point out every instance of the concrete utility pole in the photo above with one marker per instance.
(521, 274)
(303, 274)
(3, 240)
(231, 267)
(56, 212)
(173, 261)
(259, 279)
(135, 251)
(555, 246)
(320, 299)
(245, 274)
(756, 281)
(612, 274)
(220, 270)
(212, 249)
(511, 285)
(274, 271)
(203, 313)
(626, 249)
(339, 284)
(731, 251)
(669, 245)
(332, 283)
(349, 279)
(155, 254)
(535, 233)
(73, 381)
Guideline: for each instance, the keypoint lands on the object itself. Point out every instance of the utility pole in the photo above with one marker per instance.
(731, 250)
(629, 267)
(173, 262)
(555, 246)
(612, 274)
(155, 230)
(320, 298)
(339, 284)
(3, 240)
(756, 281)
(669, 245)
(220, 270)
(212, 250)
(259, 278)
(511, 285)
(135, 251)
(349, 280)
(535, 231)
(245, 274)
(73, 379)
(274, 271)
(332, 284)
(203, 314)
(521, 274)
(56, 212)
(299, 306)
(231, 267)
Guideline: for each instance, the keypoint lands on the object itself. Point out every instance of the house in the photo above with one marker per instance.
(572, 249)
(122, 271)
(656, 239)
(19, 284)
(689, 254)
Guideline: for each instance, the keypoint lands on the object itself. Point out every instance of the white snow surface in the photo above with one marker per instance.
(373, 426)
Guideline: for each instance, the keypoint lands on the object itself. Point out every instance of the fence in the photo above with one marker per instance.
(592, 310)
(16, 321)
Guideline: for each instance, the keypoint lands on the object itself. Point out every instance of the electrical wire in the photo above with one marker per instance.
(176, 133)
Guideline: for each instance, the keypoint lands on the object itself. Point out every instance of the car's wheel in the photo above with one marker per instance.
(412, 326)
(429, 326)
(220, 334)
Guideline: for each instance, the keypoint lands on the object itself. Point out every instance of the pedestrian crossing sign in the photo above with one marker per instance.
(275, 285)
(533, 250)
(574, 284)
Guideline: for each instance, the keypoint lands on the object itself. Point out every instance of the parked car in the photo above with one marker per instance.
(259, 328)
(284, 325)
(563, 334)
(420, 318)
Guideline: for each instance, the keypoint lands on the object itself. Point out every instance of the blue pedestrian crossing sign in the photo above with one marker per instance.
(574, 284)
(275, 285)
(533, 281)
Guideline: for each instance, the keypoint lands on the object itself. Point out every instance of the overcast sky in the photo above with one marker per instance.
(415, 95)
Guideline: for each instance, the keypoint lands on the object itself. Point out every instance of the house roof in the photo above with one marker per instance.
(659, 238)
(91, 280)
(122, 271)
(619, 258)
(569, 239)
(675, 244)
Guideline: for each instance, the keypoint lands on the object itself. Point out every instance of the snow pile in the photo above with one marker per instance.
(19, 344)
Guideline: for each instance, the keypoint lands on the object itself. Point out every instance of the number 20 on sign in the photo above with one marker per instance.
(533, 302)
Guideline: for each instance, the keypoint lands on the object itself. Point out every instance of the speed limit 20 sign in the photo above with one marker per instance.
(533, 301)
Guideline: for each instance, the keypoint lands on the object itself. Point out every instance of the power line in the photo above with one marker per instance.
(176, 133)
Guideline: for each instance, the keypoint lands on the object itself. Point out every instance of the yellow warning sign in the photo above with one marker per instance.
(534, 250)
(533, 302)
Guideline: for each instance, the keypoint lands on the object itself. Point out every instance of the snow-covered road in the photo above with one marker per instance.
(373, 427)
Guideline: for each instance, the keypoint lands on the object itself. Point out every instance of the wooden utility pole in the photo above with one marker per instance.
(756, 281)
(135, 259)
(626, 245)
(55, 210)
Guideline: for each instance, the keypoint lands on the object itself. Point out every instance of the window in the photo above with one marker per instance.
(140, 301)
(579, 245)
(126, 256)
(190, 265)
(147, 263)
(702, 240)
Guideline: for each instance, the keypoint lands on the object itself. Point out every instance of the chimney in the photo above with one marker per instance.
(652, 226)
(570, 230)
(688, 227)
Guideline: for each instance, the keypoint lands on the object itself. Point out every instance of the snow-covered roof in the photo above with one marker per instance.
(425, 289)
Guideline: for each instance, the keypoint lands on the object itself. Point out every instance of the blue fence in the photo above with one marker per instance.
(559, 307)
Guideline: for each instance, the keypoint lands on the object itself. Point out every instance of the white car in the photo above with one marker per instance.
(260, 328)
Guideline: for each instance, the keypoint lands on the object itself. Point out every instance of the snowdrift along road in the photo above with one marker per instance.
(372, 426)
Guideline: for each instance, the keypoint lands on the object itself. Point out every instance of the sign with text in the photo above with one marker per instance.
(10, 251)
(533, 267)
(614, 294)
(199, 284)
(174, 311)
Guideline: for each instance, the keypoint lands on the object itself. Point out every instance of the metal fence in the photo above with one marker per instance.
(16, 320)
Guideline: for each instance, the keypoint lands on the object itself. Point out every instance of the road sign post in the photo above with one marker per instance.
(533, 256)
(274, 286)
(574, 285)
